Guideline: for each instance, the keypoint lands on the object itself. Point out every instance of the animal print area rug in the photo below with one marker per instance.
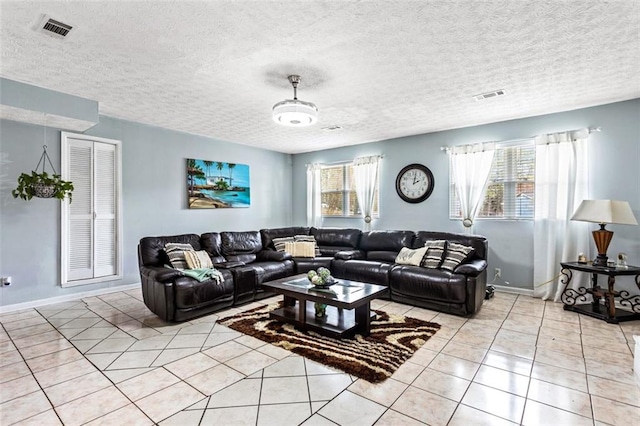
(393, 340)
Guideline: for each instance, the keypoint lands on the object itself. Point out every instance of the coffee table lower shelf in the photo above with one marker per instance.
(338, 323)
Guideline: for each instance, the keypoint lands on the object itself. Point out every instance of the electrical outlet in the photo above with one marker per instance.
(498, 272)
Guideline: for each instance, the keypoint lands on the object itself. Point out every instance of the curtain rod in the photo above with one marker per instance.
(335, 163)
(591, 130)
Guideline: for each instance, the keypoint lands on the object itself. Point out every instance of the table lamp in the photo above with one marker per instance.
(603, 212)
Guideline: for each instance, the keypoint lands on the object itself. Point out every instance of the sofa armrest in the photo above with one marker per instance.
(472, 268)
(161, 274)
(349, 255)
(273, 256)
(228, 265)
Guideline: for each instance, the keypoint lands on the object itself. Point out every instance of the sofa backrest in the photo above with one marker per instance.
(332, 240)
(478, 242)
(385, 245)
(241, 246)
(269, 234)
(152, 248)
(212, 243)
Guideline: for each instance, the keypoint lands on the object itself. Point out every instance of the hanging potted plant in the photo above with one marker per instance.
(42, 185)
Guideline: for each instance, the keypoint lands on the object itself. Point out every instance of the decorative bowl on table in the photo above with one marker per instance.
(321, 278)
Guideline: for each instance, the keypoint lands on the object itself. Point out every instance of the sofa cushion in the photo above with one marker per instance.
(190, 293)
(435, 254)
(455, 255)
(212, 243)
(241, 246)
(269, 271)
(409, 256)
(332, 240)
(478, 242)
(433, 284)
(382, 256)
(362, 270)
(197, 259)
(152, 248)
(175, 253)
(268, 235)
(385, 240)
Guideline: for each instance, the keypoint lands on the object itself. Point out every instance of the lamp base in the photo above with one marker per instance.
(602, 238)
(600, 260)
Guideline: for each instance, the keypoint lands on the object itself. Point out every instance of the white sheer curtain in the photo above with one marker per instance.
(471, 165)
(365, 176)
(561, 184)
(314, 192)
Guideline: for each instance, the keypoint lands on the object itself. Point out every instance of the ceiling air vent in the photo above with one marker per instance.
(488, 95)
(53, 28)
(331, 128)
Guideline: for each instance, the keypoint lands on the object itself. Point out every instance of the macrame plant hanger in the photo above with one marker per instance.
(42, 190)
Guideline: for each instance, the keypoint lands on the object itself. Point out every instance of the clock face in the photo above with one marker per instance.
(414, 183)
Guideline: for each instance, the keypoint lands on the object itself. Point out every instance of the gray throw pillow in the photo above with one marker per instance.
(456, 254)
(279, 243)
(175, 252)
(435, 253)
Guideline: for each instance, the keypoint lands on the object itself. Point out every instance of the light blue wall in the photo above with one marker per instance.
(614, 174)
(154, 199)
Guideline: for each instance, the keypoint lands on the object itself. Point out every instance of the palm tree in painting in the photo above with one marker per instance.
(208, 165)
(193, 173)
(219, 166)
(231, 166)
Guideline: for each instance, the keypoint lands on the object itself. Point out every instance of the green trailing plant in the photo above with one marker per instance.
(42, 185)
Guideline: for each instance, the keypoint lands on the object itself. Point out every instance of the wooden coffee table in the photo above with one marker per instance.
(348, 305)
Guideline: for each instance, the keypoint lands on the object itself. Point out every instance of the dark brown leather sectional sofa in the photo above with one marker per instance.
(247, 259)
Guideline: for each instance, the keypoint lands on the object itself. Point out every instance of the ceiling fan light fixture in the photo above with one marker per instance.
(293, 112)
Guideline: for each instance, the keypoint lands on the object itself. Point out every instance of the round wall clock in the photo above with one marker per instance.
(414, 183)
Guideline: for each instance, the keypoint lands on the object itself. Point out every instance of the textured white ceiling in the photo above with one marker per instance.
(378, 69)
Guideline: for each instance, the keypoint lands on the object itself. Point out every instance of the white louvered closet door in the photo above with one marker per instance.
(80, 232)
(92, 222)
(104, 210)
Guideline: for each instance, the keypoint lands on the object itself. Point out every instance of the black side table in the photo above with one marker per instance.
(570, 297)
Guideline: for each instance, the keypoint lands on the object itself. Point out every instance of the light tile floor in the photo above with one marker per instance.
(107, 360)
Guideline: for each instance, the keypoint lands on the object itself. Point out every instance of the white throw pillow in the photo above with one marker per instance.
(408, 256)
(198, 259)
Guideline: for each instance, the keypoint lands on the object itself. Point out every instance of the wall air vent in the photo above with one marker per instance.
(488, 95)
(53, 28)
(331, 128)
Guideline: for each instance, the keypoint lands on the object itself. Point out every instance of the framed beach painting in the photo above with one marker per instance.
(215, 184)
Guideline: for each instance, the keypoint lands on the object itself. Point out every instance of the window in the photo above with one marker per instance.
(338, 193)
(509, 193)
(92, 223)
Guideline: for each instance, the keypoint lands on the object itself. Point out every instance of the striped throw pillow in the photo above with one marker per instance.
(175, 251)
(308, 239)
(279, 243)
(198, 259)
(435, 253)
(456, 254)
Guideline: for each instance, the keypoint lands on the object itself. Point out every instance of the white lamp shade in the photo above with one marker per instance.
(605, 211)
(293, 112)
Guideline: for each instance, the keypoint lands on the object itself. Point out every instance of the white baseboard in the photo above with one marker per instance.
(514, 290)
(66, 298)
